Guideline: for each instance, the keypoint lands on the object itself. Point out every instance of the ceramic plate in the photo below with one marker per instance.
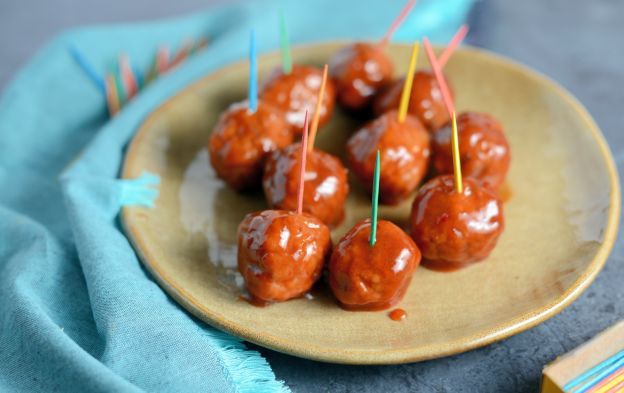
(561, 221)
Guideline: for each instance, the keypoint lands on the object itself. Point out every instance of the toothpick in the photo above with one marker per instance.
(162, 60)
(127, 75)
(317, 110)
(304, 153)
(397, 22)
(122, 94)
(253, 74)
(459, 186)
(182, 55)
(446, 94)
(111, 95)
(285, 45)
(452, 45)
(407, 86)
(375, 201)
(88, 68)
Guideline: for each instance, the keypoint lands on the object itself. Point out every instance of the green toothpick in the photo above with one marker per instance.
(375, 202)
(286, 60)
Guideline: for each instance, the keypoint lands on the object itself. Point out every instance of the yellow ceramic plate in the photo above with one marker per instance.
(561, 221)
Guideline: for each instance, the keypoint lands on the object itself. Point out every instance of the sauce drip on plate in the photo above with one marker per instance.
(398, 314)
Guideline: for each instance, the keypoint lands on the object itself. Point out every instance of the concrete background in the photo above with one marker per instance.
(576, 42)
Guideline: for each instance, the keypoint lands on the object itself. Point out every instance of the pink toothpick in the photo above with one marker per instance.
(437, 70)
(127, 76)
(304, 153)
(397, 22)
(452, 45)
(162, 59)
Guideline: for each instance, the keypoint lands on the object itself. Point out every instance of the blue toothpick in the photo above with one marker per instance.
(253, 74)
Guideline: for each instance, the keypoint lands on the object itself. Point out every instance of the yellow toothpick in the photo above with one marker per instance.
(407, 86)
(459, 187)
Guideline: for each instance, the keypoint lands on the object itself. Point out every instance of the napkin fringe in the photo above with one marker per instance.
(246, 369)
(142, 191)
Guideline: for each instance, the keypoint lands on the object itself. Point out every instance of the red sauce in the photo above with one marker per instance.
(455, 229)
(326, 187)
(297, 92)
(483, 149)
(404, 151)
(372, 278)
(425, 103)
(398, 314)
(360, 71)
(241, 140)
(281, 254)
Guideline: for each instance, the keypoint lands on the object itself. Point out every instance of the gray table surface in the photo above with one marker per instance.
(578, 43)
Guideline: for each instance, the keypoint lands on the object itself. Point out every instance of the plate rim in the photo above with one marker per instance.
(398, 356)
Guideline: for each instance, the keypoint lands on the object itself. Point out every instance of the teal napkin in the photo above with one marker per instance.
(77, 311)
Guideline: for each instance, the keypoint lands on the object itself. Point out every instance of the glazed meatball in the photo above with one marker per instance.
(241, 140)
(455, 229)
(404, 151)
(365, 277)
(281, 253)
(425, 103)
(325, 185)
(298, 91)
(360, 70)
(483, 149)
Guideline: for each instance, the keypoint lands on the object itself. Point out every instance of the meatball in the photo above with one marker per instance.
(297, 92)
(360, 70)
(241, 140)
(281, 253)
(453, 229)
(404, 151)
(483, 149)
(425, 103)
(365, 277)
(325, 184)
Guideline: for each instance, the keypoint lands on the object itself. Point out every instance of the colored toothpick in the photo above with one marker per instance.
(609, 382)
(375, 201)
(122, 94)
(452, 45)
(446, 94)
(127, 76)
(88, 68)
(304, 154)
(407, 86)
(182, 54)
(285, 44)
(112, 98)
(587, 375)
(617, 388)
(162, 59)
(459, 186)
(397, 23)
(317, 110)
(253, 74)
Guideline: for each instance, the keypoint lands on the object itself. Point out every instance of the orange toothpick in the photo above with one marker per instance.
(459, 186)
(407, 86)
(397, 23)
(304, 153)
(112, 98)
(446, 94)
(452, 45)
(317, 110)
